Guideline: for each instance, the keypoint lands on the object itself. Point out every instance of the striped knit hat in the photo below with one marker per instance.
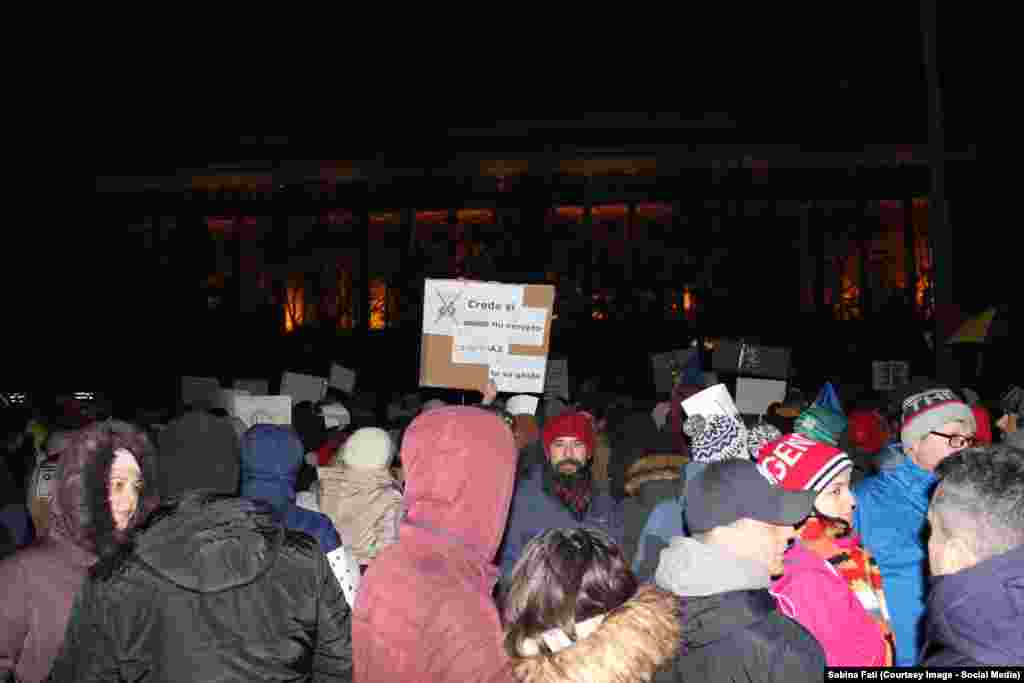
(928, 410)
(800, 464)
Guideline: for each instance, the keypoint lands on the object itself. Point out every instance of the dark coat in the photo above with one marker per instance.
(740, 636)
(244, 598)
(976, 616)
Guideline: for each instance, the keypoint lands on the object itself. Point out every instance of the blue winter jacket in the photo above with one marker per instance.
(666, 520)
(271, 457)
(533, 511)
(890, 456)
(891, 516)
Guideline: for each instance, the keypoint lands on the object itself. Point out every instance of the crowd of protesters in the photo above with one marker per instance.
(600, 539)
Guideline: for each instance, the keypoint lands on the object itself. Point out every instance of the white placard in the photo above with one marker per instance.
(522, 404)
(519, 374)
(753, 396)
(199, 390)
(888, 375)
(342, 378)
(528, 330)
(253, 410)
(46, 478)
(256, 387)
(481, 309)
(226, 397)
(346, 570)
(471, 348)
(714, 400)
(303, 387)
(556, 381)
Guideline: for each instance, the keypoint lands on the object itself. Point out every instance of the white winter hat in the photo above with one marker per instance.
(368, 448)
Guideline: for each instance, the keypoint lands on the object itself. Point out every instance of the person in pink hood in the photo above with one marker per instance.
(831, 584)
(106, 486)
(424, 611)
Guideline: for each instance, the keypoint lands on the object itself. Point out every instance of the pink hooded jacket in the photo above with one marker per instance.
(424, 611)
(814, 595)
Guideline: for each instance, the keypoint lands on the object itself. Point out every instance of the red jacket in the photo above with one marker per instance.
(424, 611)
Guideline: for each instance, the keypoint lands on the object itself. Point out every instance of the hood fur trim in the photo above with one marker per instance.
(632, 643)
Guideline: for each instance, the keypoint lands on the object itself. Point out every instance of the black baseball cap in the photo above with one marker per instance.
(730, 490)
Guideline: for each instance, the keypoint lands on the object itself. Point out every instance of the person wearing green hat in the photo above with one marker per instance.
(821, 424)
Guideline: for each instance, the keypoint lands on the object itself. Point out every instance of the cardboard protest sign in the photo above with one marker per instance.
(342, 378)
(726, 356)
(740, 358)
(763, 361)
(199, 390)
(303, 387)
(753, 396)
(44, 480)
(253, 410)
(556, 379)
(226, 398)
(479, 331)
(44, 483)
(889, 375)
(256, 387)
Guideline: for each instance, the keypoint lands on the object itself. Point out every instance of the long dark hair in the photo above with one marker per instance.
(564, 576)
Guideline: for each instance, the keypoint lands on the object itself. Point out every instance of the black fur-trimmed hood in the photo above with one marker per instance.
(80, 509)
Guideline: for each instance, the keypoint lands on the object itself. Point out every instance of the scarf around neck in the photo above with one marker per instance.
(836, 543)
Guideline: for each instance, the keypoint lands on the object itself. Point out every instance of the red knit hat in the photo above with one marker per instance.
(578, 425)
(866, 430)
(799, 464)
(983, 424)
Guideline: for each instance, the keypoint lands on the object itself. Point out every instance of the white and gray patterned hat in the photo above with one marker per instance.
(716, 437)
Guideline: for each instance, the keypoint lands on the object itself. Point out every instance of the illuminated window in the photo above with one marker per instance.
(680, 304)
(378, 304)
(294, 309)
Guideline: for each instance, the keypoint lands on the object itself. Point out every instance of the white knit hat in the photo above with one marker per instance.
(368, 448)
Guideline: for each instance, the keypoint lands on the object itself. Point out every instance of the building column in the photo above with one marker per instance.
(940, 232)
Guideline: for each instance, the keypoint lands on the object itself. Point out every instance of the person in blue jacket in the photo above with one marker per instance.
(559, 492)
(271, 457)
(892, 508)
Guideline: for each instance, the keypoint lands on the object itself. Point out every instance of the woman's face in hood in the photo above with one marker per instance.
(125, 488)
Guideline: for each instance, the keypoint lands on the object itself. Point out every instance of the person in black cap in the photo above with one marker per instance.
(741, 523)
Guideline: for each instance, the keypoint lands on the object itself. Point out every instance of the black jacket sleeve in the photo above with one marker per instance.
(332, 660)
(89, 654)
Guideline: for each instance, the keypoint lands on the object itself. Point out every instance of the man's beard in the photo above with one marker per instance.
(574, 489)
(581, 473)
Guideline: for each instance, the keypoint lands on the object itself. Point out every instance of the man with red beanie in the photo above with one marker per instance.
(559, 492)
